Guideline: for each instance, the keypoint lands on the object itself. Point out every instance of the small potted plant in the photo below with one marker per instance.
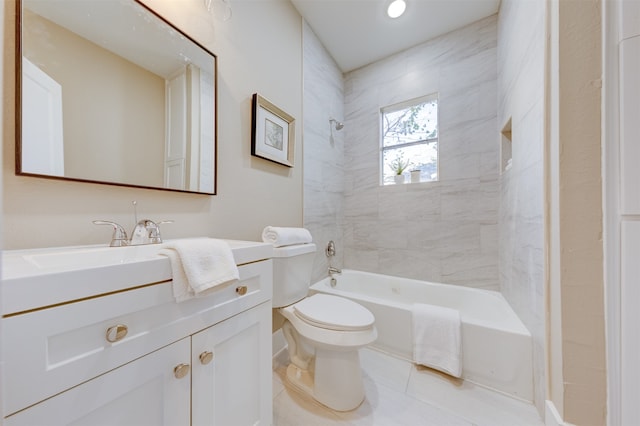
(399, 165)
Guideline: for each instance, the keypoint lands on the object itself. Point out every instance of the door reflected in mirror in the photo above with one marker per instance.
(112, 93)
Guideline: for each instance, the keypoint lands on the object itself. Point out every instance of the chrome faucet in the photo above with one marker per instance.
(119, 237)
(333, 270)
(331, 252)
(145, 232)
(333, 281)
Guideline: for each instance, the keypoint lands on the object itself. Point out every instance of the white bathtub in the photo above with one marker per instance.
(496, 346)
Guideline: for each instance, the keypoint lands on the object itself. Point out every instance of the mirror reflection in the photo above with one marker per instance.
(112, 93)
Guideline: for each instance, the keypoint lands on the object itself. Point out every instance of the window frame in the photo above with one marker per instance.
(404, 105)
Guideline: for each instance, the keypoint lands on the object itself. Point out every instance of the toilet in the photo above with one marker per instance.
(323, 332)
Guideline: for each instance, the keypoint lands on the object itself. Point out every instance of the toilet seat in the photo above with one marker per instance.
(333, 313)
(317, 331)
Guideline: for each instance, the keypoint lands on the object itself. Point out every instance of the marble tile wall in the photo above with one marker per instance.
(475, 227)
(323, 97)
(443, 231)
(521, 53)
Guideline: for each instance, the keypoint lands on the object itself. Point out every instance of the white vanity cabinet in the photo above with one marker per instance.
(136, 357)
(144, 392)
(231, 378)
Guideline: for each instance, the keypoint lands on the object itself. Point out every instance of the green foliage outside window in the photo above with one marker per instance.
(410, 139)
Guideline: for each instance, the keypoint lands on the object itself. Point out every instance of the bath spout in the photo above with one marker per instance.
(333, 270)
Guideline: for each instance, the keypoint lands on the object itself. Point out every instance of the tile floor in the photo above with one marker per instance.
(400, 393)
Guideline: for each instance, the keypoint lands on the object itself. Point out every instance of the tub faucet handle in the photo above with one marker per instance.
(331, 249)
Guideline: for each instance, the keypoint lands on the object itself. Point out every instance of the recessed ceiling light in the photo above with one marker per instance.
(396, 8)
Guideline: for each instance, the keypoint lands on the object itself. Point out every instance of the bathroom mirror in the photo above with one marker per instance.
(110, 92)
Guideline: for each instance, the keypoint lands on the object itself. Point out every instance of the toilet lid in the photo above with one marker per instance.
(334, 313)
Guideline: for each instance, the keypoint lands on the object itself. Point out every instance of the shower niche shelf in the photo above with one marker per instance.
(505, 148)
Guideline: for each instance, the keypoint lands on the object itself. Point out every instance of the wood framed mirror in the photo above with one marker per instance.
(110, 92)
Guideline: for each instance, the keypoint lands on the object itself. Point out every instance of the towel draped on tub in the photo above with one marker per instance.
(199, 265)
(437, 340)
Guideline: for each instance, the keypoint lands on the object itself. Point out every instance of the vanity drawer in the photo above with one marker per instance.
(50, 350)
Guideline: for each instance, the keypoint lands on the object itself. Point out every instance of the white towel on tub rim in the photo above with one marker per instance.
(437, 338)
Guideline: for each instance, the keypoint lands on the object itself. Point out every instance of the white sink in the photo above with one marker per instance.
(36, 278)
(87, 257)
(92, 257)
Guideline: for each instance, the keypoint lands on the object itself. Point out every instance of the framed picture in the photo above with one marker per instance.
(273, 132)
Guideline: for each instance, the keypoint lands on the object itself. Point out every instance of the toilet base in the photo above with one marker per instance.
(301, 379)
(337, 381)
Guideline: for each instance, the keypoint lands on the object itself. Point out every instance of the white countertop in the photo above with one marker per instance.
(36, 278)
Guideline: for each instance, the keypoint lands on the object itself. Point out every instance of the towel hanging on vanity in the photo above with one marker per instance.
(437, 338)
(198, 265)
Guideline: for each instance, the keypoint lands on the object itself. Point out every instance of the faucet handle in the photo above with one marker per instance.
(147, 232)
(157, 238)
(119, 237)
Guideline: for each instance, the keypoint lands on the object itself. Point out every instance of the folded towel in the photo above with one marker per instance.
(198, 265)
(437, 341)
(280, 237)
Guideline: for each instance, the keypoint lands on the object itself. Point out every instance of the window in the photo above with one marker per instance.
(410, 139)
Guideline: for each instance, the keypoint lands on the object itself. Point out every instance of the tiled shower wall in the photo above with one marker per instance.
(443, 231)
(475, 227)
(323, 97)
(521, 50)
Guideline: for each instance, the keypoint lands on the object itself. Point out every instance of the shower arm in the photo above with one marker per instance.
(337, 124)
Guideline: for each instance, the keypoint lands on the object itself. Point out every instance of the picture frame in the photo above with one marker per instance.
(272, 133)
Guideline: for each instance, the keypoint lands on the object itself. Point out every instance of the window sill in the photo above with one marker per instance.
(413, 184)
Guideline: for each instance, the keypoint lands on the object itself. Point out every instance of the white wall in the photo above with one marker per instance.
(324, 151)
(442, 231)
(521, 50)
(259, 50)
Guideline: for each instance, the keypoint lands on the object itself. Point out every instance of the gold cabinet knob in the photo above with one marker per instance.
(241, 290)
(116, 332)
(206, 357)
(181, 370)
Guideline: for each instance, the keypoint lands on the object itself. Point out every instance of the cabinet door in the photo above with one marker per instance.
(629, 125)
(234, 387)
(143, 392)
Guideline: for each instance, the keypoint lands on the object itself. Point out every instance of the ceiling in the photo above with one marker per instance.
(359, 32)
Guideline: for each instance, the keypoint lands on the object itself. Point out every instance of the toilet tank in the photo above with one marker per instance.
(292, 266)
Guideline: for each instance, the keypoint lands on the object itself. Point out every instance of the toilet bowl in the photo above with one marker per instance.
(323, 333)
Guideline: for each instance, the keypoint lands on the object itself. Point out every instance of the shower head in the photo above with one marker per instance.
(338, 125)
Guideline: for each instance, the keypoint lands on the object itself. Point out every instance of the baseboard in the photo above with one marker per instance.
(279, 350)
(551, 415)
(278, 342)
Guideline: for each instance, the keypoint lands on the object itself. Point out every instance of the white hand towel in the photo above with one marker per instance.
(437, 338)
(198, 265)
(279, 237)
